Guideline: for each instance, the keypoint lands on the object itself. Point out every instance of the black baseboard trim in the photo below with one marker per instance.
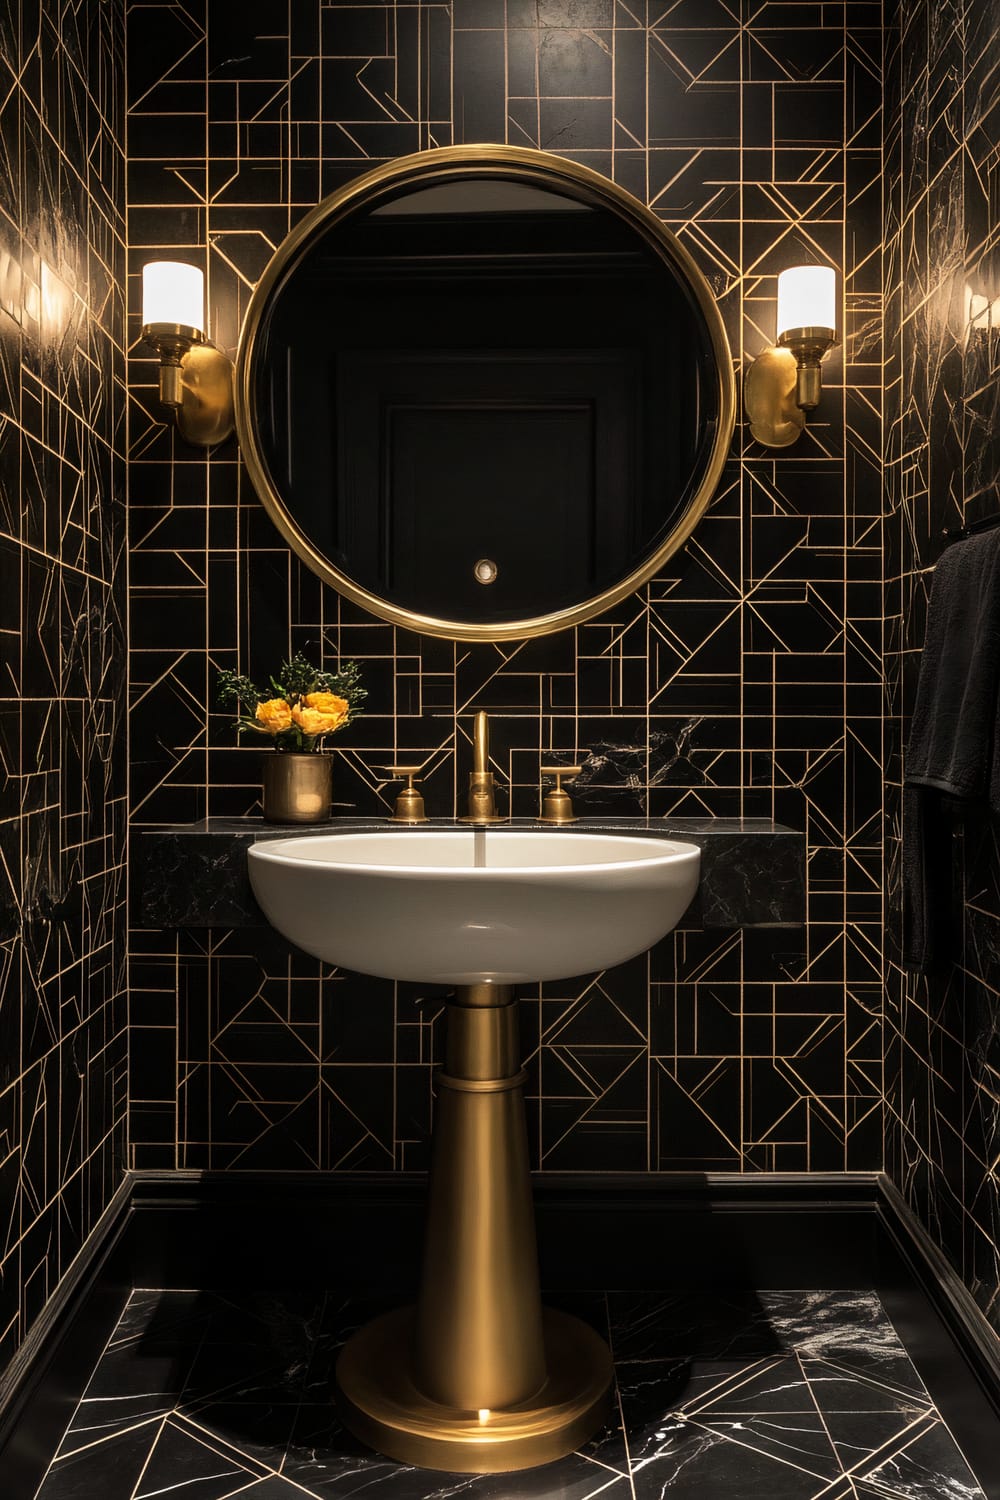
(641, 1231)
(685, 1230)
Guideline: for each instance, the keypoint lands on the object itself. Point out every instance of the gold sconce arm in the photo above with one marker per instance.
(808, 346)
(196, 382)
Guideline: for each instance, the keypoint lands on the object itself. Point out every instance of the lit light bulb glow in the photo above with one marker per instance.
(807, 298)
(174, 293)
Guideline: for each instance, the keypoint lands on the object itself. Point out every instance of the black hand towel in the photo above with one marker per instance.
(953, 745)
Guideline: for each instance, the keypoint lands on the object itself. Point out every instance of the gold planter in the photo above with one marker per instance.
(297, 786)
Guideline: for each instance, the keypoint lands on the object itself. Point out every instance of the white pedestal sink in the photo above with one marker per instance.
(468, 906)
(478, 1377)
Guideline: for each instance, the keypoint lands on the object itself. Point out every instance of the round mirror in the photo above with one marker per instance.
(483, 392)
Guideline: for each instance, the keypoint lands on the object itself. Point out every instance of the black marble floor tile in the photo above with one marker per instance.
(194, 1463)
(690, 1463)
(926, 1467)
(799, 1438)
(760, 1387)
(836, 1388)
(791, 1395)
(108, 1467)
(699, 1325)
(130, 1385)
(326, 1460)
(261, 1430)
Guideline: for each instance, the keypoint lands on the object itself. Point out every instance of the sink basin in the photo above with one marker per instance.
(467, 906)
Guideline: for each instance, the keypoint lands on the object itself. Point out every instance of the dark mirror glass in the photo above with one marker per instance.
(484, 400)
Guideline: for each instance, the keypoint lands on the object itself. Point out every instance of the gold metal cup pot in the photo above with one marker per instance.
(298, 786)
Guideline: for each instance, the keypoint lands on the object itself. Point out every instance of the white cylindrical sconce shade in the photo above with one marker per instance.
(807, 298)
(173, 293)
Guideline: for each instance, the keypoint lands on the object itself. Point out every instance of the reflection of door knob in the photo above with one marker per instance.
(557, 808)
(409, 803)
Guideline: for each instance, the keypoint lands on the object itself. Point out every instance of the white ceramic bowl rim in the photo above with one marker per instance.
(276, 851)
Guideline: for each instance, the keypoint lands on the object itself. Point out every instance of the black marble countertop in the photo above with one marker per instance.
(195, 875)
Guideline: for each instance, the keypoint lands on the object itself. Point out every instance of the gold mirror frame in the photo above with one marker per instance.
(539, 169)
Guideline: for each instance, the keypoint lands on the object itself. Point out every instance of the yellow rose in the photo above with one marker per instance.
(328, 703)
(274, 715)
(320, 713)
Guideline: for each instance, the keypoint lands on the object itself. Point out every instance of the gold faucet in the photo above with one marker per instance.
(482, 795)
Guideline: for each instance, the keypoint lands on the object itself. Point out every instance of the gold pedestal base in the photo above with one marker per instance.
(381, 1405)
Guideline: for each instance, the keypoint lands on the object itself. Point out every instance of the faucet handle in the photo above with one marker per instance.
(557, 807)
(409, 804)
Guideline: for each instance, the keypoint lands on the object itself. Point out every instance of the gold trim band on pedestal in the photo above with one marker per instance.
(482, 1085)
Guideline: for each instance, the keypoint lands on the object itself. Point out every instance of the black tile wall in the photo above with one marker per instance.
(745, 679)
(63, 1050)
(943, 394)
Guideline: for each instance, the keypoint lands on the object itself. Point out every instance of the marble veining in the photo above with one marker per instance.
(799, 1395)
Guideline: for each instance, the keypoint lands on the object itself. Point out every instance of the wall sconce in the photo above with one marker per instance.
(785, 382)
(196, 378)
(982, 315)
